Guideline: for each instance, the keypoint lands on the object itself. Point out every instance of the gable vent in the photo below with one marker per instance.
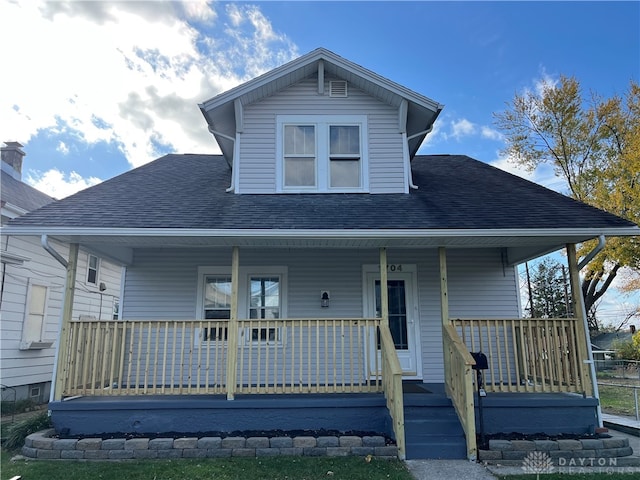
(338, 89)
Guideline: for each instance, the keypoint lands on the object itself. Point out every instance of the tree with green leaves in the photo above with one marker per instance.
(594, 145)
(629, 350)
(549, 295)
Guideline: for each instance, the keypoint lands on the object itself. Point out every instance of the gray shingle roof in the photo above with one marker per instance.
(188, 191)
(21, 195)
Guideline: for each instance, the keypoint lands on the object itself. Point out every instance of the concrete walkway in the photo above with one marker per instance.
(449, 469)
(464, 470)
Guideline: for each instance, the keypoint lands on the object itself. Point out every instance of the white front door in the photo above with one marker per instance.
(403, 314)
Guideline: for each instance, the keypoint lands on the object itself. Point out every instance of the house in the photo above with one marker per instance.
(320, 274)
(604, 348)
(32, 290)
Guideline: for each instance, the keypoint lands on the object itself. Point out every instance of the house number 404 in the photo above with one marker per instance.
(394, 267)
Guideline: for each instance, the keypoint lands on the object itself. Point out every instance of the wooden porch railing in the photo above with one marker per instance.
(459, 384)
(528, 354)
(273, 356)
(308, 356)
(392, 380)
(190, 357)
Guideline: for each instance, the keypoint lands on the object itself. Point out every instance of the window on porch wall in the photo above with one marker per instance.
(264, 305)
(217, 305)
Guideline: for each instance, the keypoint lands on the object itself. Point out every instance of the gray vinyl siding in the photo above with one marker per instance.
(481, 286)
(258, 141)
(27, 367)
(162, 285)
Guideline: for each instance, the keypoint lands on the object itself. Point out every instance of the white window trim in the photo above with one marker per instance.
(279, 334)
(41, 342)
(245, 274)
(322, 123)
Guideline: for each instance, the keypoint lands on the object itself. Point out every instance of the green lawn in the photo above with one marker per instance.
(574, 476)
(617, 400)
(277, 468)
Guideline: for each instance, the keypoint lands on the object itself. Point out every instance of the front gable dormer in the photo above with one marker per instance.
(320, 124)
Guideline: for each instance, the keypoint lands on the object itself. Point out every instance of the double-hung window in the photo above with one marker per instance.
(261, 303)
(93, 264)
(344, 156)
(217, 305)
(322, 153)
(300, 155)
(264, 304)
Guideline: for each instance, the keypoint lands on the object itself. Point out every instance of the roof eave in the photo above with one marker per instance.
(588, 233)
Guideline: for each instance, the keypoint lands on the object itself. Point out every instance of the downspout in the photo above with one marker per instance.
(592, 367)
(407, 162)
(406, 153)
(597, 249)
(231, 166)
(45, 244)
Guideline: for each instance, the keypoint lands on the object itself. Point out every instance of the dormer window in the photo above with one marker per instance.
(299, 155)
(344, 156)
(322, 153)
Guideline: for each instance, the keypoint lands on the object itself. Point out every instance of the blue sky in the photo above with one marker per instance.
(93, 89)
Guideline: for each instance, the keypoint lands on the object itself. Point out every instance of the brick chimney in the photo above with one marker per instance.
(12, 155)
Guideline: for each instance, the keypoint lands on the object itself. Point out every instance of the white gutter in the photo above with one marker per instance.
(45, 244)
(14, 210)
(11, 258)
(317, 233)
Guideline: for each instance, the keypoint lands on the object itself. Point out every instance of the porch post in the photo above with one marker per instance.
(62, 353)
(232, 331)
(444, 302)
(582, 331)
(384, 292)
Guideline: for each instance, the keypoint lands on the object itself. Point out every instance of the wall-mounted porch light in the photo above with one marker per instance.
(324, 298)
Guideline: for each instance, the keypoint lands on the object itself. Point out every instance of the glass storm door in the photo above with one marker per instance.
(401, 319)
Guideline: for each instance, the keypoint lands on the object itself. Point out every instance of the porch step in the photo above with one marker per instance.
(432, 429)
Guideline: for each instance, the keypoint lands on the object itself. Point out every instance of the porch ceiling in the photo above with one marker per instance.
(519, 245)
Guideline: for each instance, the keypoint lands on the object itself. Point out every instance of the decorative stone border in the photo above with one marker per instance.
(42, 445)
(513, 452)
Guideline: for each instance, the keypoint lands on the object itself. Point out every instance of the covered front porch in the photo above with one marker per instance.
(314, 373)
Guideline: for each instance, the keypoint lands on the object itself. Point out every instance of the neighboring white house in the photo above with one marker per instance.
(32, 290)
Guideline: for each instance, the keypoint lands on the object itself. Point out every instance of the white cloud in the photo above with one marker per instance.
(543, 175)
(491, 134)
(462, 128)
(62, 148)
(128, 73)
(58, 185)
(544, 82)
